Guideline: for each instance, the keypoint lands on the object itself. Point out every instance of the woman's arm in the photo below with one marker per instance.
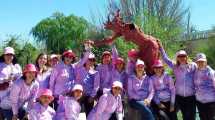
(96, 84)
(172, 89)
(14, 97)
(101, 106)
(115, 54)
(165, 56)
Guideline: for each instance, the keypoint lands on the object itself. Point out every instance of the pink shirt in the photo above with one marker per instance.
(40, 112)
(62, 77)
(22, 93)
(68, 109)
(107, 105)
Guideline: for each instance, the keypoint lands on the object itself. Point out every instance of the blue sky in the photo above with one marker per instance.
(19, 16)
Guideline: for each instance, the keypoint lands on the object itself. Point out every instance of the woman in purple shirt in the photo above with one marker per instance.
(62, 76)
(44, 73)
(184, 84)
(132, 58)
(105, 70)
(119, 73)
(23, 92)
(69, 107)
(140, 91)
(108, 103)
(9, 71)
(88, 77)
(204, 79)
(41, 110)
(53, 60)
(164, 97)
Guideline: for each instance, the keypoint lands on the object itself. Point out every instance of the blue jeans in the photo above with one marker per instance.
(8, 114)
(146, 113)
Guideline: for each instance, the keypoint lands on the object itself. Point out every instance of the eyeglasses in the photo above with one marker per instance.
(181, 56)
(117, 88)
(68, 56)
(9, 54)
(92, 59)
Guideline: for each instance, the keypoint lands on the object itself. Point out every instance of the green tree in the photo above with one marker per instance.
(60, 32)
(12, 41)
(28, 54)
(25, 53)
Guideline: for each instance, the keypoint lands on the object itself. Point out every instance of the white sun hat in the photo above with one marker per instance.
(9, 50)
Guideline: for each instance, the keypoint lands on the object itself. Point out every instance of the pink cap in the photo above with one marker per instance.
(120, 60)
(53, 56)
(9, 50)
(30, 68)
(46, 92)
(132, 53)
(158, 63)
(117, 84)
(69, 53)
(77, 87)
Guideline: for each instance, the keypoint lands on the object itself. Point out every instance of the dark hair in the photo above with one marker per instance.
(132, 26)
(103, 58)
(14, 61)
(144, 70)
(93, 65)
(38, 57)
(24, 78)
(177, 62)
(124, 66)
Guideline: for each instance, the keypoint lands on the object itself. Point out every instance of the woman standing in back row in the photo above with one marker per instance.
(204, 79)
(62, 76)
(9, 71)
(164, 97)
(44, 73)
(185, 90)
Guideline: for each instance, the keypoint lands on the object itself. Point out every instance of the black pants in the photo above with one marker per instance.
(164, 114)
(54, 104)
(87, 104)
(113, 116)
(187, 105)
(99, 94)
(206, 110)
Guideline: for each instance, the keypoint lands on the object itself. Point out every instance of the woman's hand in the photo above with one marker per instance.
(26, 117)
(88, 44)
(159, 43)
(161, 106)
(172, 108)
(15, 117)
(147, 102)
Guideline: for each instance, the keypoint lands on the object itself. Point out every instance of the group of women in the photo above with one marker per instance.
(59, 88)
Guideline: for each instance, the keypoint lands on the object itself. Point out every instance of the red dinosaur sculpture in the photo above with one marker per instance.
(147, 45)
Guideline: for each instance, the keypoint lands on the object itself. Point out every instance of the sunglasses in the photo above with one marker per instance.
(117, 88)
(158, 67)
(92, 59)
(181, 56)
(70, 57)
(9, 54)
